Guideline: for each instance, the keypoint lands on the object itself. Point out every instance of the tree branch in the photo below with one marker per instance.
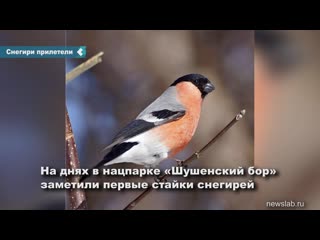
(84, 67)
(75, 198)
(194, 156)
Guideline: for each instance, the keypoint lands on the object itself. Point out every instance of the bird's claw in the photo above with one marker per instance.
(159, 179)
(181, 164)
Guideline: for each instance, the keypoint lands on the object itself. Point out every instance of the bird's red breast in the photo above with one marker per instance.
(176, 135)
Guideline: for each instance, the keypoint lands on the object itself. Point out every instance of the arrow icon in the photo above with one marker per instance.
(80, 52)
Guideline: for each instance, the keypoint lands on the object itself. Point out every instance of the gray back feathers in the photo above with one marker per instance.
(168, 100)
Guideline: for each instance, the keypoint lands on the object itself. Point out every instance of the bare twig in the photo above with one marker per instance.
(84, 67)
(194, 156)
(75, 198)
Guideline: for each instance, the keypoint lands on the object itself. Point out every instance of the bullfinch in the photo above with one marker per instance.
(163, 128)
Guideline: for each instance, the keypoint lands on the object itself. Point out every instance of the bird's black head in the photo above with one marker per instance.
(201, 82)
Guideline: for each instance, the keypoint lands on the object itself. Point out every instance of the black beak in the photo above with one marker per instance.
(208, 87)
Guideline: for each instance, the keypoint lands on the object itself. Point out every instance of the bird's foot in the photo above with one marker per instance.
(181, 163)
(160, 178)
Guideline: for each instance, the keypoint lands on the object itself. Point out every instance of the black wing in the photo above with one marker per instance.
(134, 128)
(139, 126)
(165, 116)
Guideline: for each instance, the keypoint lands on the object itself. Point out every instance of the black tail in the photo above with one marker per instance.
(115, 152)
(83, 177)
(98, 166)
